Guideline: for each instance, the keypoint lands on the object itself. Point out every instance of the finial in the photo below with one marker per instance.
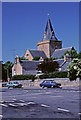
(48, 15)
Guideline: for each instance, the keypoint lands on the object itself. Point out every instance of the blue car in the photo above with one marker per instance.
(13, 84)
(50, 83)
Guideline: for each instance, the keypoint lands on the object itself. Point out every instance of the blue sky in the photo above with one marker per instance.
(23, 25)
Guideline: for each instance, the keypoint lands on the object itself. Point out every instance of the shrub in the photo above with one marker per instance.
(74, 69)
(57, 74)
(36, 58)
(23, 77)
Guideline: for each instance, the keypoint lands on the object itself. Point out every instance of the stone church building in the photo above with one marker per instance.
(48, 47)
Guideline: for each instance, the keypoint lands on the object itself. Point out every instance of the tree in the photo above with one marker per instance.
(48, 66)
(74, 69)
(36, 58)
(79, 55)
(7, 69)
(72, 53)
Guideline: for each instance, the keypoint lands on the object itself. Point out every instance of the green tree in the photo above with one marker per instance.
(74, 69)
(79, 55)
(48, 66)
(36, 58)
(72, 53)
(7, 67)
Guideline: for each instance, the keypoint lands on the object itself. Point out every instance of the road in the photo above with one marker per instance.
(40, 103)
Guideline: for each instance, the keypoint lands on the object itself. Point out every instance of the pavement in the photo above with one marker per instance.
(35, 102)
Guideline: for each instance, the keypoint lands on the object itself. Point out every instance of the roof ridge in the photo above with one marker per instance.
(64, 48)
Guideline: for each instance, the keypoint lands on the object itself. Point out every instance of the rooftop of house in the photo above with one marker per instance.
(38, 53)
(58, 53)
(29, 65)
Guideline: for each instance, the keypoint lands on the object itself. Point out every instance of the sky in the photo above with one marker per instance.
(23, 25)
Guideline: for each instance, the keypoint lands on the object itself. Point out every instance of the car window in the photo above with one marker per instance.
(47, 81)
(52, 81)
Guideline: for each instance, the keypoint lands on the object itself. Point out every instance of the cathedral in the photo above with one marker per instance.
(48, 47)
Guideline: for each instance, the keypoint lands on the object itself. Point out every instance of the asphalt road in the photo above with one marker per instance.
(40, 103)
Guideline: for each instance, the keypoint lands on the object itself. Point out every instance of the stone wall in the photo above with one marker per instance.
(65, 82)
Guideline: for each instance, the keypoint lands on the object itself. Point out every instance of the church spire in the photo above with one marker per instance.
(49, 33)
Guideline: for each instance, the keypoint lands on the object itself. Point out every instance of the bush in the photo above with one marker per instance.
(74, 69)
(23, 77)
(57, 74)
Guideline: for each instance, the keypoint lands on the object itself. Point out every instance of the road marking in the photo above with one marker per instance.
(9, 101)
(63, 110)
(79, 113)
(1, 115)
(56, 96)
(14, 99)
(30, 103)
(21, 104)
(21, 100)
(1, 101)
(44, 105)
(13, 105)
(48, 92)
(4, 105)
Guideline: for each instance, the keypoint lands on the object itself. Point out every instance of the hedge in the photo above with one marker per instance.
(57, 74)
(23, 77)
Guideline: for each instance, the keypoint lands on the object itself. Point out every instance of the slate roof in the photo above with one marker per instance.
(62, 64)
(58, 53)
(60, 61)
(64, 67)
(37, 53)
(49, 33)
(29, 65)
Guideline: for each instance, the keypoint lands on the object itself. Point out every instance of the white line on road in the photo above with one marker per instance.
(9, 101)
(79, 113)
(30, 103)
(63, 110)
(21, 100)
(1, 115)
(48, 92)
(56, 96)
(13, 105)
(44, 105)
(4, 105)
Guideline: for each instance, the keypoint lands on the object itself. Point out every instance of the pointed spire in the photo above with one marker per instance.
(49, 33)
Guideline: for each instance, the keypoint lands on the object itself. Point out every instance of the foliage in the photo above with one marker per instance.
(23, 77)
(22, 58)
(56, 74)
(7, 66)
(36, 58)
(79, 55)
(72, 53)
(74, 69)
(48, 66)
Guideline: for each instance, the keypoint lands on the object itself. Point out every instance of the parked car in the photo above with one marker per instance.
(13, 84)
(50, 83)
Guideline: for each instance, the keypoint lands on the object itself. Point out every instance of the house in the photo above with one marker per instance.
(24, 67)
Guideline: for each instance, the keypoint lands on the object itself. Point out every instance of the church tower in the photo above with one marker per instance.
(49, 42)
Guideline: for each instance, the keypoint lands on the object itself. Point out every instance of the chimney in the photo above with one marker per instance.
(17, 59)
(67, 58)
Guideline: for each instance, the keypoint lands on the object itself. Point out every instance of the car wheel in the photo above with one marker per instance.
(8, 87)
(13, 86)
(52, 86)
(42, 86)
